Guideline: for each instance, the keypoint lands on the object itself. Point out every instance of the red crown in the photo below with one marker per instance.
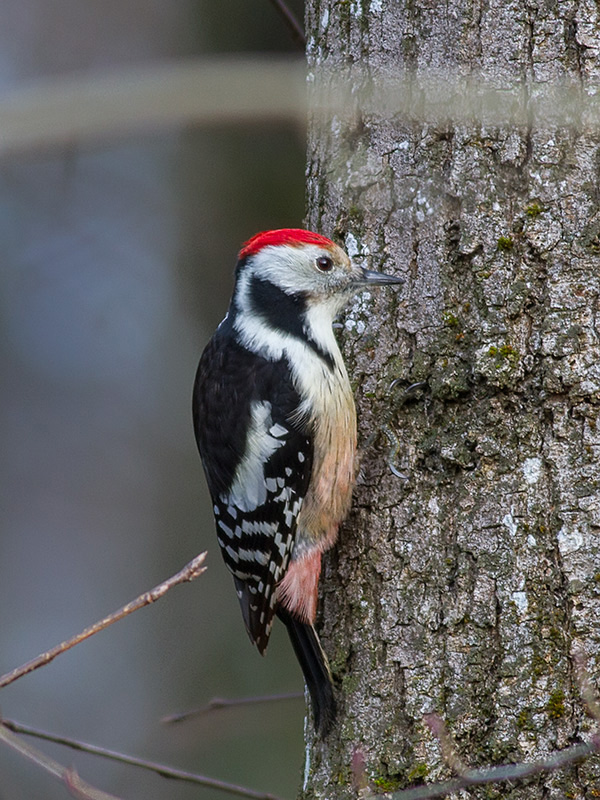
(290, 236)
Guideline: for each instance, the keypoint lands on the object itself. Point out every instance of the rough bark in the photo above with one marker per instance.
(465, 586)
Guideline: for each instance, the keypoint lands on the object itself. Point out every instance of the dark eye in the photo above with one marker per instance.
(324, 264)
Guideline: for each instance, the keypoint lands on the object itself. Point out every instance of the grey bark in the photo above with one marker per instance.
(465, 586)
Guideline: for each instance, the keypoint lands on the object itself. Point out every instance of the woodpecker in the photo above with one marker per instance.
(275, 423)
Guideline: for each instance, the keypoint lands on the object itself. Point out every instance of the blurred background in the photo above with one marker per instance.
(116, 266)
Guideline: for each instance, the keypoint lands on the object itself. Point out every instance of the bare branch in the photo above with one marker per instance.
(505, 772)
(189, 573)
(292, 23)
(152, 766)
(218, 703)
(82, 790)
(67, 775)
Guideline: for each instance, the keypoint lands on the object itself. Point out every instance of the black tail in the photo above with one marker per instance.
(315, 667)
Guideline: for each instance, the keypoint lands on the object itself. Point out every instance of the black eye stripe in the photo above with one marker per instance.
(324, 263)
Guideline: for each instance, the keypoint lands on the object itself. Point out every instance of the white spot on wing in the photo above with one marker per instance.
(231, 553)
(278, 430)
(253, 556)
(280, 544)
(226, 529)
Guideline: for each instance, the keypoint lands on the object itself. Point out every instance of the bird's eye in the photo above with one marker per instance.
(324, 264)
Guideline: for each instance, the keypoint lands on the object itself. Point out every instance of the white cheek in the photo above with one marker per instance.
(294, 269)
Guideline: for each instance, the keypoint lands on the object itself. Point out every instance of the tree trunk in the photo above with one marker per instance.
(468, 573)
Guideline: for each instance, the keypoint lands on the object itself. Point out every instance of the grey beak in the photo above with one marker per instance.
(372, 278)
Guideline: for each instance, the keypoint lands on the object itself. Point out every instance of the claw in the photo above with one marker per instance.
(393, 452)
(409, 389)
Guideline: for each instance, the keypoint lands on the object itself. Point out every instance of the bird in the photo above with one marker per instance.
(275, 424)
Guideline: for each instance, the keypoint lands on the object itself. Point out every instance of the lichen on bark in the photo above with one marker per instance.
(467, 576)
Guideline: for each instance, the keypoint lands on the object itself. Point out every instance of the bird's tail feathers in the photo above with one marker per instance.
(315, 667)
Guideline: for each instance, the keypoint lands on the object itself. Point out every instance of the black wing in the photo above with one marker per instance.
(257, 480)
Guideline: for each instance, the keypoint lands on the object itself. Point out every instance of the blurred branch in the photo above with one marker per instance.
(160, 769)
(67, 775)
(290, 20)
(218, 703)
(70, 110)
(189, 573)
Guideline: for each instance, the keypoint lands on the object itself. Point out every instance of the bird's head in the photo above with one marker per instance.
(306, 265)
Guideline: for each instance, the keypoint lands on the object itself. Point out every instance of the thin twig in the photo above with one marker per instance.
(189, 573)
(217, 703)
(152, 766)
(67, 775)
(82, 790)
(505, 772)
(292, 23)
